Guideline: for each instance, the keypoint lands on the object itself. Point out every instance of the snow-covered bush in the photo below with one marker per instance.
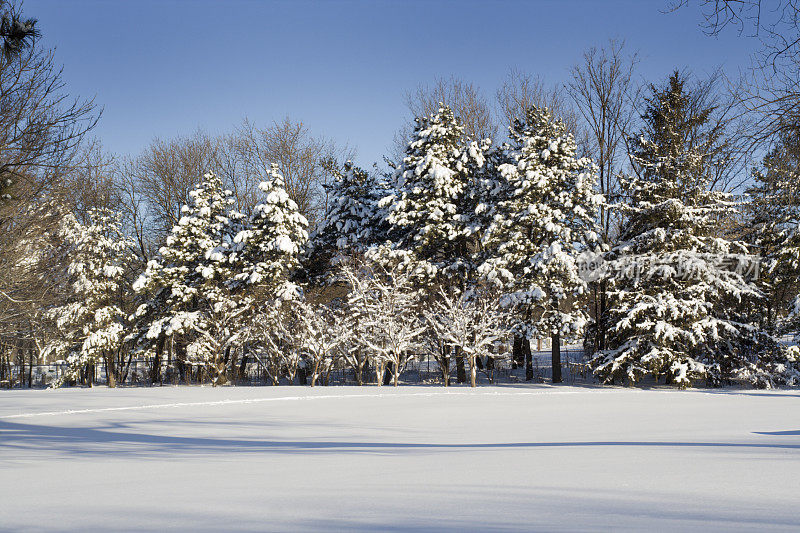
(472, 322)
(388, 322)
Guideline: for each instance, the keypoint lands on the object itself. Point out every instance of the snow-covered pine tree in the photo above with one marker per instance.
(92, 323)
(432, 224)
(189, 302)
(542, 207)
(352, 219)
(676, 283)
(771, 227)
(266, 251)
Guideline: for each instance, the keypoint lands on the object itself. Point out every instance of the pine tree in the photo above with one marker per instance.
(542, 207)
(92, 324)
(771, 227)
(431, 221)
(677, 284)
(353, 220)
(266, 251)
(190, 303)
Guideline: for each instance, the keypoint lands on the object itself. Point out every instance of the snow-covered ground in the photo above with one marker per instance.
(406, 459)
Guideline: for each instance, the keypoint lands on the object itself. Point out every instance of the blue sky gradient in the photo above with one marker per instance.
(166, 68)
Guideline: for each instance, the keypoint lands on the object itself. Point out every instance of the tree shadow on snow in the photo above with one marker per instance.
(92, 441)
(784, 433)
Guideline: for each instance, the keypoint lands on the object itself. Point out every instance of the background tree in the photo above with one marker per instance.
(469, 105)
(306, 162)
(770, 226)
(677, 284)
(521, 91)
(543, 217)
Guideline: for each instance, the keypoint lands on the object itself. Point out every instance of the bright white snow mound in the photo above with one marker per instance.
(407, 459)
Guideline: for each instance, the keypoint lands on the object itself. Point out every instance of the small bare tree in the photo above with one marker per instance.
(389, 325)
(471, 322)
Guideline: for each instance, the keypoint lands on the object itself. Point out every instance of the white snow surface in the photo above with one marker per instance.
(535, 458)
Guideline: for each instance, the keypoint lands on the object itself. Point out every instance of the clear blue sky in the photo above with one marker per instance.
(163, 68)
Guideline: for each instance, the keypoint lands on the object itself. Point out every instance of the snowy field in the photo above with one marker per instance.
(406, 459)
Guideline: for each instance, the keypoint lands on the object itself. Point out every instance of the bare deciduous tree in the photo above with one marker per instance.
(470, 106)
(167, 170)
(302, 159)
(520, 91)
(41, 132)
(602, 89)
(772, 97)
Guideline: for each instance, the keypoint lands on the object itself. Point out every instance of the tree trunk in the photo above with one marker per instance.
(516, 353)
(601, 323)
(461, 371)
(526, 350)
(473, 371)
(110, 377)
(556, 357)
(387, 373)
(444, 367)
(155, 372)
(242, 366)
(30, 368)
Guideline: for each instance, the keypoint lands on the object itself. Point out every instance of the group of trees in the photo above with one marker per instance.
(599, 214)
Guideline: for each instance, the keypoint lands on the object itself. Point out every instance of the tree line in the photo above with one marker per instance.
(629, 217)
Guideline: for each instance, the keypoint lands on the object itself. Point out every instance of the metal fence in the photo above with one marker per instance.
(421, 370)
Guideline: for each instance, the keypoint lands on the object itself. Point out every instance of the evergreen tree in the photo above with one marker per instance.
(190, 303)
(266, 250)
(93, 322)
(542, 207)
(677, 284)
(353, 220)
(433, 230)
(432, 223)
(771, 226)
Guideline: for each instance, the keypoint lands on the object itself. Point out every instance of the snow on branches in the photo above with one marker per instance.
(542, 208)
(92, 324)
(677, 283)
(265, 253)
(431, 216)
